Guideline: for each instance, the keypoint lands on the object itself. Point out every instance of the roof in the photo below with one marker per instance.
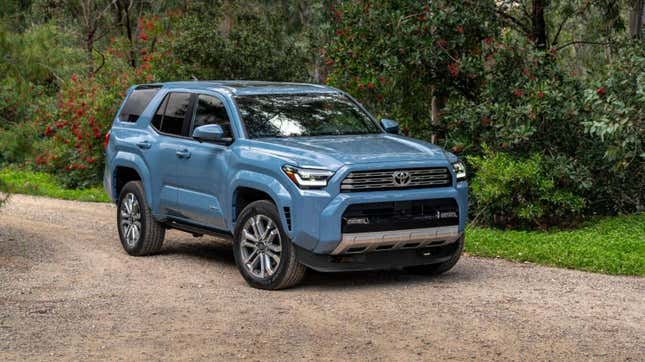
(246, 87)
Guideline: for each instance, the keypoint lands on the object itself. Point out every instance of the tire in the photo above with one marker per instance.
(440, 268)
(255, 254)
(150, 234)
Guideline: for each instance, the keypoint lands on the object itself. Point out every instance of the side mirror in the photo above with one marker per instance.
(390, 126)
(211, 133)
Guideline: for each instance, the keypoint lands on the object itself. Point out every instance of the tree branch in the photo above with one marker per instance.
(573, 42)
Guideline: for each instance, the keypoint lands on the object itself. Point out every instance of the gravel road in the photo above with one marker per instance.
(68, 291)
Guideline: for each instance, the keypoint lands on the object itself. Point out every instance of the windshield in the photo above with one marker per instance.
(289, 115)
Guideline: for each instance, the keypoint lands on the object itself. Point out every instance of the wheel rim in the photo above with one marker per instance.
(260, 246)
(130, 220)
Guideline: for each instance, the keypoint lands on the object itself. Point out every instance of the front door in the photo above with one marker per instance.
(201, 171)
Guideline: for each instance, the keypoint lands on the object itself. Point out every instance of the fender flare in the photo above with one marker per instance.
(261, 182)
(135, 162)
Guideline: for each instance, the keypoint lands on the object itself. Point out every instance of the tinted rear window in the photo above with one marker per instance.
(136, 103)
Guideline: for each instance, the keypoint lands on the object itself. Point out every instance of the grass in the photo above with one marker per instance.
(42, 184)
(612, 245)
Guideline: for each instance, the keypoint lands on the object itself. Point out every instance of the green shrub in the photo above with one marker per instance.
(617, 122)
(17, 143)
(509, 192)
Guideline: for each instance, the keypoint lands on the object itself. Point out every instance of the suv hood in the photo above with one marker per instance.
(353, 149)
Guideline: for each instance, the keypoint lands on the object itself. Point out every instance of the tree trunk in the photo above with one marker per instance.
(434, 118)
(539, 24)
(636, 15)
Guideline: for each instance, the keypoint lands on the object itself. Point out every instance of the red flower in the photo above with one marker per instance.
(329, 62)
(601, 91)
(379, 97)
(143, 36)
(339, 32)
(540, 94)
(370, 85)
(453, 68)
(80, 112)
(460, 29)
(361, 86)
(526, 72)
(488, 40)
(518, 93)
(74, 78)
(48, 130)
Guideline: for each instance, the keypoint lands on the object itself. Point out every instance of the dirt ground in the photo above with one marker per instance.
(69, 291)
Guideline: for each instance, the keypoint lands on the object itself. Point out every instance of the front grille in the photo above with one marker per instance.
(400, 215)
(386, 179)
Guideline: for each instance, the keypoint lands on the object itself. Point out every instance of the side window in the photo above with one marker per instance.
(211, 110)
(156, 119)
(136, 103)
(171, 114)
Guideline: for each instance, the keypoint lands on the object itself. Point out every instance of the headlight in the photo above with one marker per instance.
(460, 170)
(307, 178)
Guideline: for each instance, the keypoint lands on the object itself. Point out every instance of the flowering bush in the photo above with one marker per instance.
(74, 129)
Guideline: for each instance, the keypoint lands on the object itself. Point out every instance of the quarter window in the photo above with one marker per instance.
(137, 103)
(211, 110)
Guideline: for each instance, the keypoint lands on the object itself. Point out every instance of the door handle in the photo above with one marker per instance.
(183, 154)
(144, 145)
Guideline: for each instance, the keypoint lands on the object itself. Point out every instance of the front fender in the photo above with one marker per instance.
(261, 182)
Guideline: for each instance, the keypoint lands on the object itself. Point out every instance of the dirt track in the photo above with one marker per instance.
(68, 291)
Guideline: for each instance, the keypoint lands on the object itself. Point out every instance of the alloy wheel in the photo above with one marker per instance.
(261, 246)
(130, 219)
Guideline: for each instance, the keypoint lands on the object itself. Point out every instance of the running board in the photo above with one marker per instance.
(197, 230)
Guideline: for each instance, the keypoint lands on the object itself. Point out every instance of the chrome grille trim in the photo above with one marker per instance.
(383, 180)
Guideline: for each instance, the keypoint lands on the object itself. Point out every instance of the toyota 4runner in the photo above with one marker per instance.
(297, 175)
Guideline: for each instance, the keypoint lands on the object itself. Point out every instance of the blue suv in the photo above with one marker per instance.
(297, 175)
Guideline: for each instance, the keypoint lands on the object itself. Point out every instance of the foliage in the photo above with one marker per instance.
(508, 192)
(74, 130)
(397, 55)
(244, 43)
(17, 143)
(43, 184)
(617, 119)
(612, 245)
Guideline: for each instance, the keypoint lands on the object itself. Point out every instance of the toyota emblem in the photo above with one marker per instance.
(401, 178)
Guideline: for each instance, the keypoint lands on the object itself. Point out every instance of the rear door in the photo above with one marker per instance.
(170, 122)
(201, 172)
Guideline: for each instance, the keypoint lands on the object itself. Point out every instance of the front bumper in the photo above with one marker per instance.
(317, 217)
(379, 260)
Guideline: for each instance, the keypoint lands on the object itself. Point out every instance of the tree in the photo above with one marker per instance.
(636, 16)
(404, 58)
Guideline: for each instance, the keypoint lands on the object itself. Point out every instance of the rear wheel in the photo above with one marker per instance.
(139, 232)
(440, 268)
(263, 252)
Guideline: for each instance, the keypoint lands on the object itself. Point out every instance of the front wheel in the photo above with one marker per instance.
(263, 252)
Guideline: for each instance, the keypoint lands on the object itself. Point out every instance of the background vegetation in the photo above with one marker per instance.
(544, 99)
